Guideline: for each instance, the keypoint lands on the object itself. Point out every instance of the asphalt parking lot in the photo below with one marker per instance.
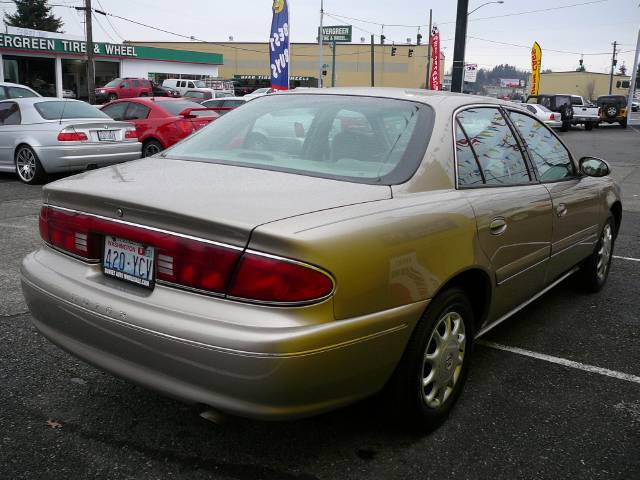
(553, 393)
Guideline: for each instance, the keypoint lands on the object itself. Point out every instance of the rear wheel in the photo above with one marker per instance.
(28, 166)
(112, 97)
(433, 369)
(623, 123)
(151, 147)
(595, 270)
(588, 126)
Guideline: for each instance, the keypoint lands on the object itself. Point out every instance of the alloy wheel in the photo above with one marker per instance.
(26, 164)
(443, 359)
(151, 149)
(604, 253)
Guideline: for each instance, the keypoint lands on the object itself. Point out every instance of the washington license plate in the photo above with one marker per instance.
(107, 135)
(129, 261)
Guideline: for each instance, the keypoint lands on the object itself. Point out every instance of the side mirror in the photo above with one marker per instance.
(594, 167)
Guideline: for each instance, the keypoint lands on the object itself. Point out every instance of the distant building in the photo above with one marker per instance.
(248, 63)
(589, 85)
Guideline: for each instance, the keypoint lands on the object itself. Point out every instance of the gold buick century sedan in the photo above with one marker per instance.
(312, 248)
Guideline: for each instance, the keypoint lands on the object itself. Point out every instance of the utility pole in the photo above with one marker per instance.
(321, 38)
(373, 61)
(428, 81)
(613, 66)
(91, 70)
(459, 46)
(333, 65)
(634, 76)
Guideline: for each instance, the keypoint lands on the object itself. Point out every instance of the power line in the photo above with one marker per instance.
(95, 17)
(109, 22)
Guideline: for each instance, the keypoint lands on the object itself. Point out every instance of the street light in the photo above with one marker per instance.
(461, 42)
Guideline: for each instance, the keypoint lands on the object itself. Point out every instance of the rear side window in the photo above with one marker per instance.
(17, 92)
(10, 113)
(56, 110)
(136, 83)
(137, 111)
(495, 146)
(468, 169)
(116, 111)
(551, 158)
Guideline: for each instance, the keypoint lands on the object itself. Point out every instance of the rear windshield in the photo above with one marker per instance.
(361, 139)
(114, 83)
(60, 110)
(175, 107)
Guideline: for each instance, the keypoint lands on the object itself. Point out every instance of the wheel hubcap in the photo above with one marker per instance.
(26, 164)
(443, 359)
(604, 253)
(151, 149)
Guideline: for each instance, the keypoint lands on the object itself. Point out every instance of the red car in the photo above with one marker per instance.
(124, 88)
(160, 121)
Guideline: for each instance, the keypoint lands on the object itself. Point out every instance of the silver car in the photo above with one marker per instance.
(42, 135)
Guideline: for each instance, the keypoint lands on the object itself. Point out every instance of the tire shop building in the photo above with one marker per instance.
(50, 63)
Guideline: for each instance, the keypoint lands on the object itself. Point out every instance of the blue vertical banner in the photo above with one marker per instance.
(279, 46)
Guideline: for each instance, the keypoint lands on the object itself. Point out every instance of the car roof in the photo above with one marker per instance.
(437, 99)
(32, 100)
(10, 84)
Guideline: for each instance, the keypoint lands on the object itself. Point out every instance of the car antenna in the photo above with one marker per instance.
(64, 105)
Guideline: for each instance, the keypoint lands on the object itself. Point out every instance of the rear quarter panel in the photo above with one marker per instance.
(381, 254)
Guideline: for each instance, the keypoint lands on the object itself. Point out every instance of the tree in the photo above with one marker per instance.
(623, 69)
(34, 14)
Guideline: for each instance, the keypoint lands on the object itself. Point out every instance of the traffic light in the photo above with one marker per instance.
(393, 51)
(410, 52)
(419, 39)
(382, 38)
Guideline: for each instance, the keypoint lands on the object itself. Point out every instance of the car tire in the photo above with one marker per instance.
(588, 126)
(413, 399)
(594, 271)
(151, 147)
(111, 97)
(28, 166)
(623, 123)
(565, 126)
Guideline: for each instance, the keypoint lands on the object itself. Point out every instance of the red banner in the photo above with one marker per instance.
(434, 75)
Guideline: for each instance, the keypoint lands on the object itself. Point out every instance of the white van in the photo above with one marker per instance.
(183, 85)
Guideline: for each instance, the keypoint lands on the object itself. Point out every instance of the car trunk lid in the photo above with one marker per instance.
(217, 202)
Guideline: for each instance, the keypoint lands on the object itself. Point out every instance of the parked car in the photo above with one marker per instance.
(584, 113)
(199, 96)
(613, 109)
(124, 88)
(635, 105)
(560, 103)
(280, 284)
(160, 122)
(68, 94)
(160, 91)
(15, 90)
(258, 93)
(224, 105)
(224, 88)
(549, 118)
(41, 135)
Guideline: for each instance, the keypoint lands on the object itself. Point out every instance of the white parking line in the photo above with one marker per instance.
(562, 361)
(631, 259)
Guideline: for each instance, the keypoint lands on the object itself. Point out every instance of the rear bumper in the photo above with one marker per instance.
(77, 157)
(253, 361)
(579, 119)
(553, 123)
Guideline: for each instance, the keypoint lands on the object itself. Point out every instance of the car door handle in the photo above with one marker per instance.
(561, 210)
(498, 226)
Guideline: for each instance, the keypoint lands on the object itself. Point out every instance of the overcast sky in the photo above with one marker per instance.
(587, 28)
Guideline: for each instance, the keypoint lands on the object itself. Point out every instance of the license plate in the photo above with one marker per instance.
(107, 135)
(129, 261)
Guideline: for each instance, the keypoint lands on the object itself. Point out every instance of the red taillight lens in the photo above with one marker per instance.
(131, 134)
(185, 126)
(70, 232)
(273, 280)
(552, 117)
(72, 136)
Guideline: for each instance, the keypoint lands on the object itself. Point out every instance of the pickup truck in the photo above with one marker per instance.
(584, 113)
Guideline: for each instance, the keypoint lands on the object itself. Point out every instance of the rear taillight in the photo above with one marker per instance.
(188, 262)
(131, 134)
(552, 117)
(70, 135)
(269, 279)
(185, 126)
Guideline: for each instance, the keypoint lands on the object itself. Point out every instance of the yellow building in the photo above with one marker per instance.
(248, 63)
(589, 85)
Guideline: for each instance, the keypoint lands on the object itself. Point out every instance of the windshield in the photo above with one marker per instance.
(174, 108)
(201, 84)
(114, 83)
(543, 108)
(369, 140)
(60, 110)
